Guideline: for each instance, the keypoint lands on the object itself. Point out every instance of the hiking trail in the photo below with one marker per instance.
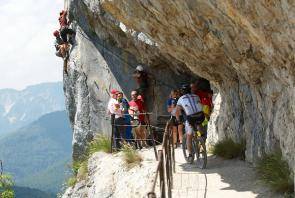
(221, 178)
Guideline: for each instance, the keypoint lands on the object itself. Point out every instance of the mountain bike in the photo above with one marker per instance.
(198, 149)
(201, 152)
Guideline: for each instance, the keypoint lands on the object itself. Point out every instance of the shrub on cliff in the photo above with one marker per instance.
(100, 143)
(275, 172)
(228, 149)
(80, 168)
(6, 184)
(131, 156)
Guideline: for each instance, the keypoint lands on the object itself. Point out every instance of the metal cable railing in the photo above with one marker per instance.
(165, 157)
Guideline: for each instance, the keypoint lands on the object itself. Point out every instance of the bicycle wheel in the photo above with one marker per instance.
(184, 149)
(201, 153)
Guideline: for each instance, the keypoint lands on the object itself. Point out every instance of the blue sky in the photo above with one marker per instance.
(27, 52)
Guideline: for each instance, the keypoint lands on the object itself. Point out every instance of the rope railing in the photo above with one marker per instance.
(165, 167)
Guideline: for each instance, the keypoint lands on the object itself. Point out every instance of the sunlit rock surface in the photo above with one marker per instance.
(109, 176)
(245, 49)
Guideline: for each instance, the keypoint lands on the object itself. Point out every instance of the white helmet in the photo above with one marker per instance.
(139, 68)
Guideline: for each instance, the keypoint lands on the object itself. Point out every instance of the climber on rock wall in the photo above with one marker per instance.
(63, 38)
(65, 32)
(60, 46)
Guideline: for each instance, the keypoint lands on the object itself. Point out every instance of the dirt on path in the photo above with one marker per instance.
(221, 178)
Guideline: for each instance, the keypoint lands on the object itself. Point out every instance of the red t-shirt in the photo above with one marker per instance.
(138, 107)
(205, 99)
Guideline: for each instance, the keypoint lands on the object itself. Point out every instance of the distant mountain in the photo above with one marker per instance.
(18, 108)
(24, 192)
(36, 155)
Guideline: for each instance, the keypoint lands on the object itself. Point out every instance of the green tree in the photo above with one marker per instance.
(6, 184)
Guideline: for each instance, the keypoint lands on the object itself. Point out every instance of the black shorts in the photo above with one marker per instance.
(196, 119)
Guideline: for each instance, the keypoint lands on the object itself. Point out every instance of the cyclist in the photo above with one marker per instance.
(171, 108)
(192, 107)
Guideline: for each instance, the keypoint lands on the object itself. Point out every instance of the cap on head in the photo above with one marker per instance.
(139, 68)
(114, 91)
(56, 33)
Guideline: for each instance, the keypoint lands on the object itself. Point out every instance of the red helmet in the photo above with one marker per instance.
(56, 33)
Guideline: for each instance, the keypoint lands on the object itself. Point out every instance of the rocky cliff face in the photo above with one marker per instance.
(109, 176)
(245, 49)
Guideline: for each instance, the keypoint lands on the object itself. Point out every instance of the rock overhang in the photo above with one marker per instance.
(244, 48)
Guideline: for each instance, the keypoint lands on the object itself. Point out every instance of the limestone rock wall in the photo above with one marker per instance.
(245, 49)
(104, 57)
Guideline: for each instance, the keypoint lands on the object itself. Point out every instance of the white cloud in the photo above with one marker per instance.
(27, 52)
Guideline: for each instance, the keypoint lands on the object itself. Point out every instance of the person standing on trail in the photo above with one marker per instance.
(191, 105)
(141, 78)
(138, 118)
(127, 118)
(201, 89)
(206, 100)
(171, 108)
(117, 120)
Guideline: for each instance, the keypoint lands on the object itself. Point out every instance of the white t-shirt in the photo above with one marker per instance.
(113, 109)
(173, 112)
(190, 103)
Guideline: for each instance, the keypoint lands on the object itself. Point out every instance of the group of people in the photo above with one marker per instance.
(127, 116)
(189, 107)
(64, 37)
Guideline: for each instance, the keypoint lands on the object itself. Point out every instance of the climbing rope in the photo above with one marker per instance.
(122, 60)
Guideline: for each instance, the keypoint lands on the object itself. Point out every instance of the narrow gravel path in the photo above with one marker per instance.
(222, 178)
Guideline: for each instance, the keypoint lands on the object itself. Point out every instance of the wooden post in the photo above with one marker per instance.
(162, 177)
(112, 135)
(153, 140)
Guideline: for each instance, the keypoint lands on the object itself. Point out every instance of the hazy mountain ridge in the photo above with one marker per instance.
(36, 155)
(18, 108)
